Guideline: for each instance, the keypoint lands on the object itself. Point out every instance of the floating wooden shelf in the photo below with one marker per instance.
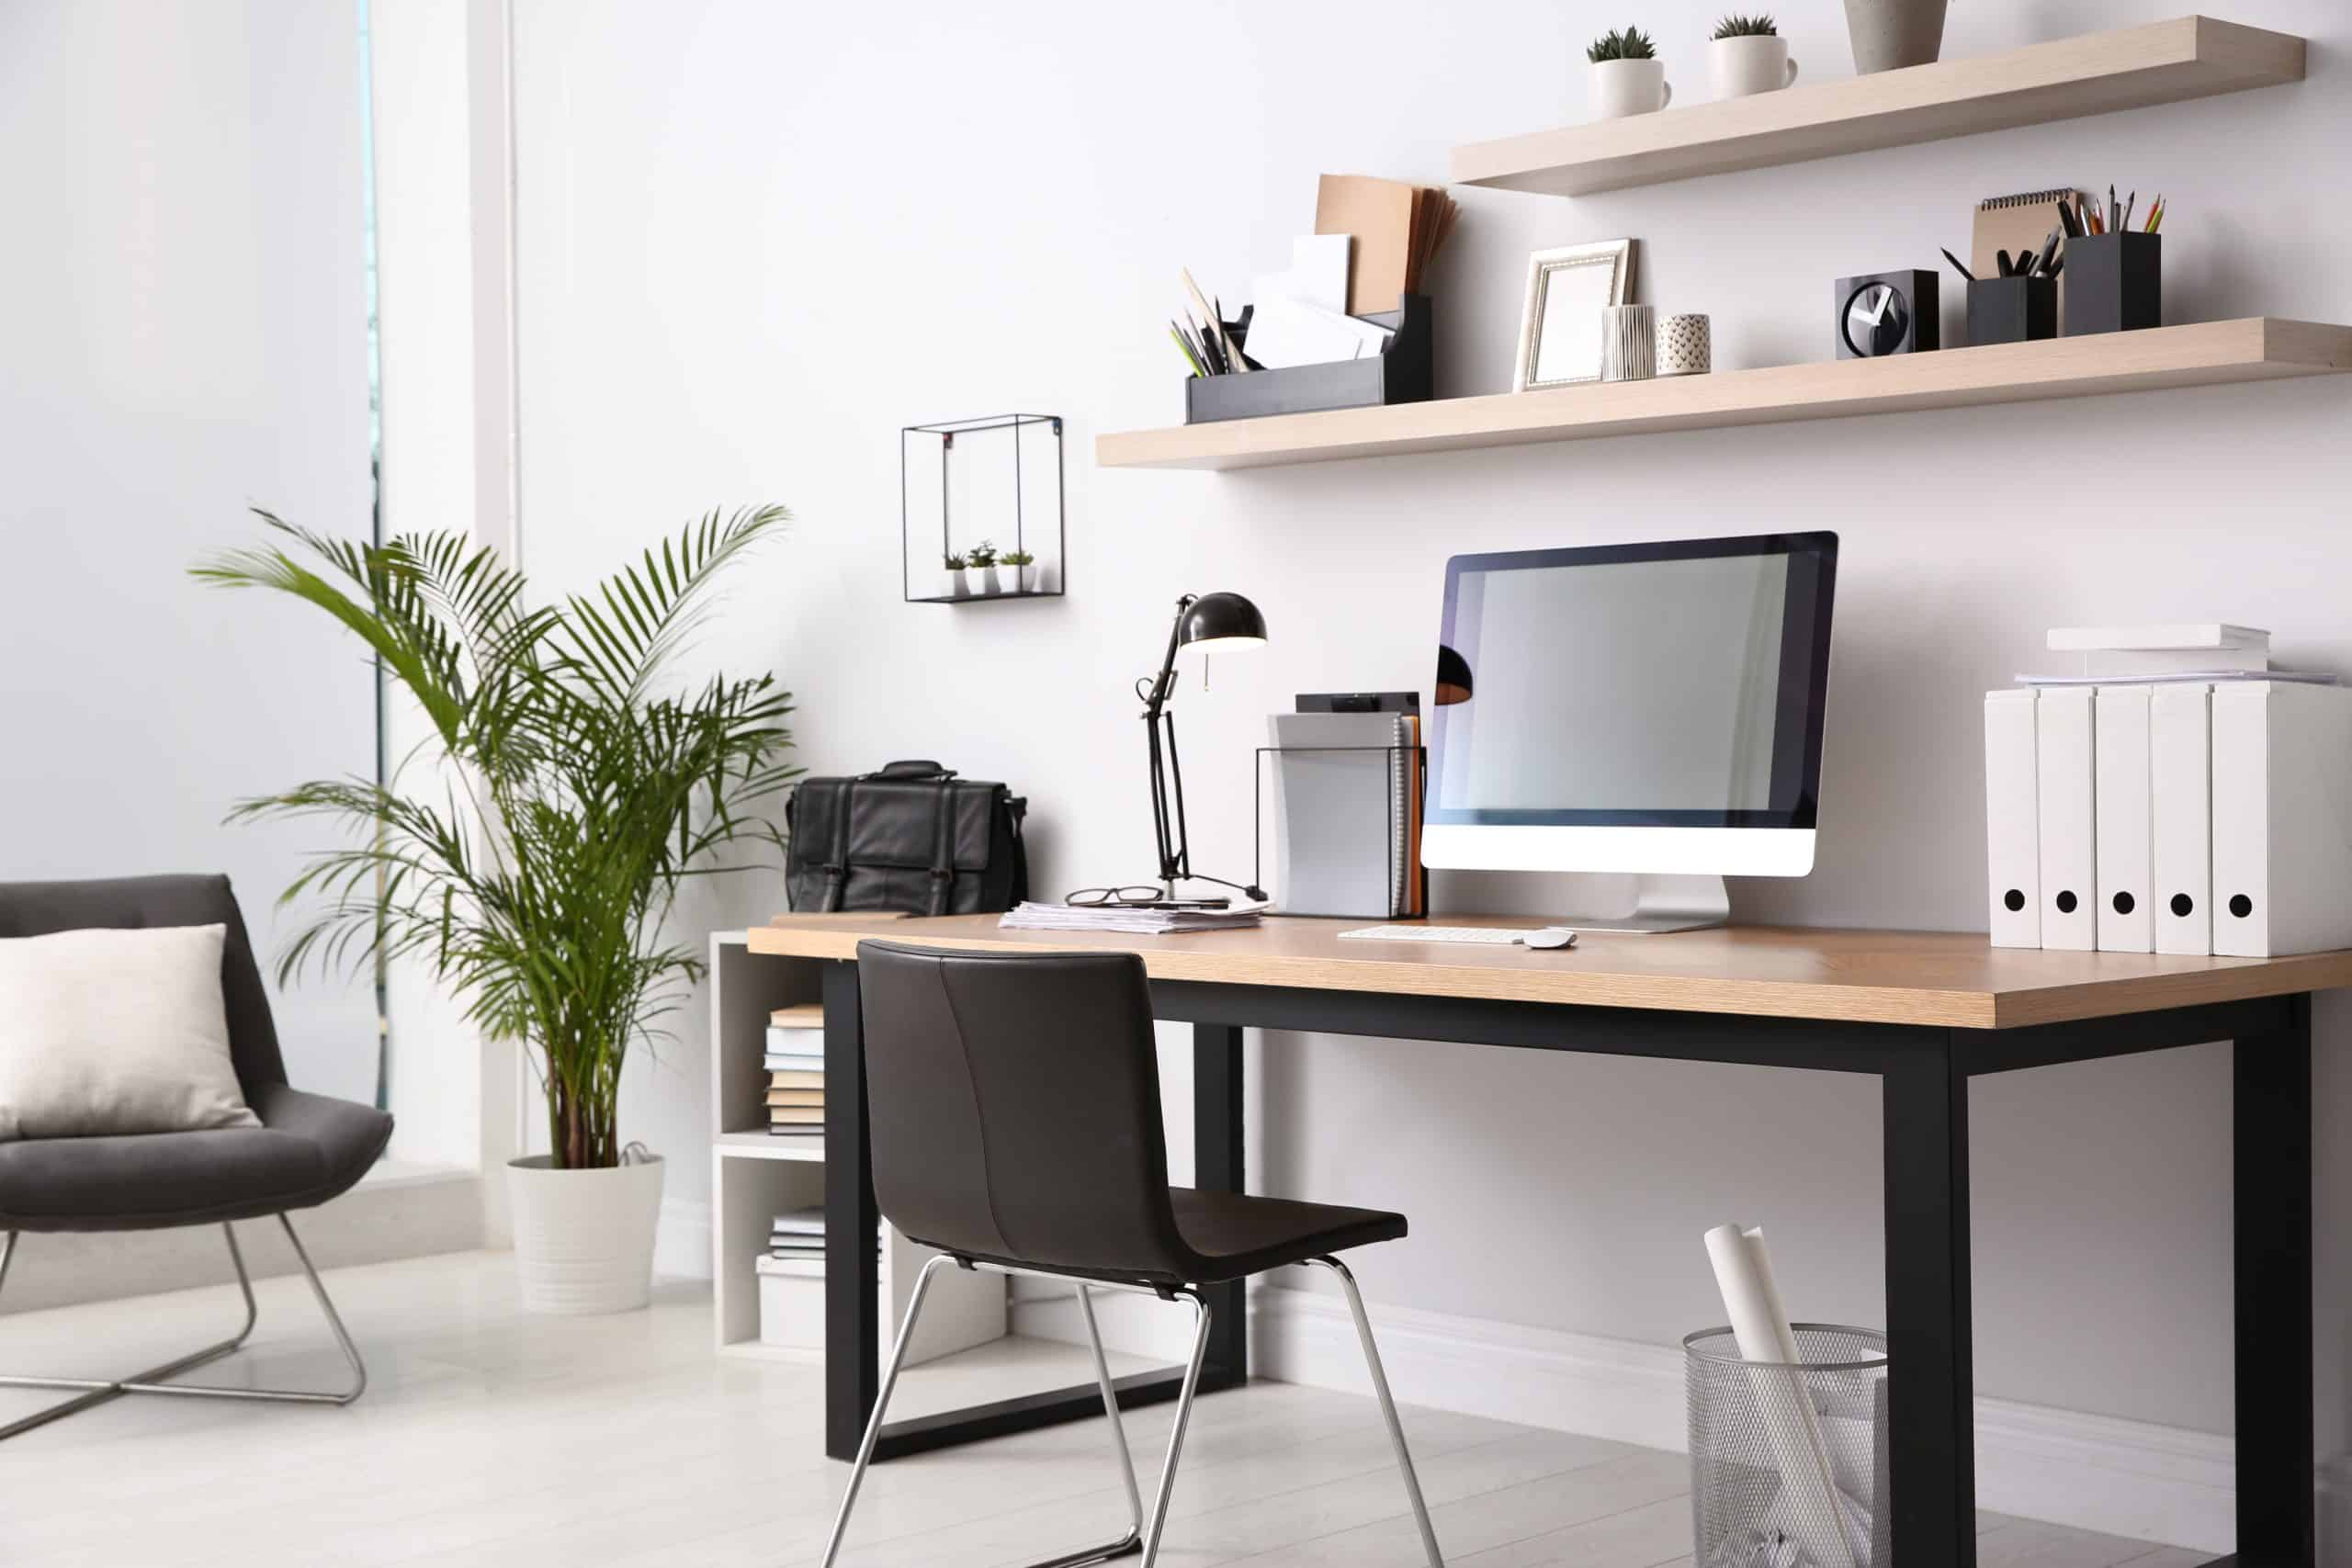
(2162, 62)
(2206, 354)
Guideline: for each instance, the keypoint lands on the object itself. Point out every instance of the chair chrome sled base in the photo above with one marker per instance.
(98, 1391)
(1142, 1536)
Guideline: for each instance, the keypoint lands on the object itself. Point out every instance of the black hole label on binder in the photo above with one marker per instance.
(2183, 905)
(2066, 901)
(2123, 903)
(2241, 906)
(2013, 900)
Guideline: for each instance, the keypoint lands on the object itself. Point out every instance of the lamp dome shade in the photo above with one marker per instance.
(1221, 618)
(1453, 682)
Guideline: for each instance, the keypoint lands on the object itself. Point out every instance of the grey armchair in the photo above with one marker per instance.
(307, 1149)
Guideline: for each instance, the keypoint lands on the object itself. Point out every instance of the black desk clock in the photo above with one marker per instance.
(1886, 312)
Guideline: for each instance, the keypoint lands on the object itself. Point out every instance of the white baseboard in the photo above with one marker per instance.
(394, 1213)
(681, 1240)
(2126, 1478)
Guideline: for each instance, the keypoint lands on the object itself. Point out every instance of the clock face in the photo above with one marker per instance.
(1877, 320)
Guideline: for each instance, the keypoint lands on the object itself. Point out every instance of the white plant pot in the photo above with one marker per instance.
(989, 587)
(1020, 579)
(1750, 64)
(583, 1239)
(959, 585)
(1621, 87)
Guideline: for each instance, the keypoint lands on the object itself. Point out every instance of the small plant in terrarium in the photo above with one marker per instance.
(1736, 26)
(1630, 44)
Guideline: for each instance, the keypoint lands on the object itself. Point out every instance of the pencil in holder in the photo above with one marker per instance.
(2012, 310)
(2114, 283)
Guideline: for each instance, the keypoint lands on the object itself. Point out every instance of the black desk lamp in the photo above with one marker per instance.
(1204, 621)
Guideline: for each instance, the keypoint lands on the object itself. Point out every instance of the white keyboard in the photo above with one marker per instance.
(1499, 936)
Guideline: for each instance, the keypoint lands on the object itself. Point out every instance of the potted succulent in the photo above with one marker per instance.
(1747, 55)
(531, 851)
(958, 585)
(983, 559)
(1891, 34)
(1020, 569)
(1627, 76)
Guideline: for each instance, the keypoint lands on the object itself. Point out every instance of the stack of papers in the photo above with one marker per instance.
(1140, 920)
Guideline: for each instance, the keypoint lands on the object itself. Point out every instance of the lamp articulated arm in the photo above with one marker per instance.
(1167, 772)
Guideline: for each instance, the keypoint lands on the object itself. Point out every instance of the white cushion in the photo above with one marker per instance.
(116, 1031)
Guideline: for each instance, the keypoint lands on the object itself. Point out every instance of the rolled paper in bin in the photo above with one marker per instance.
(1820, 1520)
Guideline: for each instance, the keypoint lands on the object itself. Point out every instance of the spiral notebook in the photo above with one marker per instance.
(2013, 223)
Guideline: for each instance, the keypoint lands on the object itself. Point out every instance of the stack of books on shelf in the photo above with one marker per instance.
(797, 1244)
(796, 1069)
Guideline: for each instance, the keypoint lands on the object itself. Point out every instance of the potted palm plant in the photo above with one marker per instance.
(531, 850)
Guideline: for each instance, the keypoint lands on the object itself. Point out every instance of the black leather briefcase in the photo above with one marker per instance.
(912, 838)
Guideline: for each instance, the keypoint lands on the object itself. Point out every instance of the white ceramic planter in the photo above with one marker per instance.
(1621, 87)
(1019, 579)
(990, 586)
(583, 1239)
(959, 584)
(1749, 64)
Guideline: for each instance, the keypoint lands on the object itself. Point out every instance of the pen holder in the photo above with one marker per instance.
(2114, 283)
(1399, 375)
(2012, 310)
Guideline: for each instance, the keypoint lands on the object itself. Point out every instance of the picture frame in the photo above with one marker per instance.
(1559, 330)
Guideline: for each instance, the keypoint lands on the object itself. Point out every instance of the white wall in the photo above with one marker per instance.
(755, 241)
(182, 335)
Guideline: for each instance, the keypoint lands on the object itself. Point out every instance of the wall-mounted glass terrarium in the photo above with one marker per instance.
(980, 508)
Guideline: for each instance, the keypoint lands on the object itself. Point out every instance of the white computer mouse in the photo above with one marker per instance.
(1550, 936)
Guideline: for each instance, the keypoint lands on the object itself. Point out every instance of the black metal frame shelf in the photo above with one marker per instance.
(947, 433)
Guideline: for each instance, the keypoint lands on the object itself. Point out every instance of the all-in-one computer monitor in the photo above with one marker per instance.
(1647, 708)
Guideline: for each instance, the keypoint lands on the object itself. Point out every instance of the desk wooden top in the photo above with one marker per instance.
(1943, 978)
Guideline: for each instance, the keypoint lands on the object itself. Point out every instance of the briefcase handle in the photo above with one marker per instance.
(912, 770)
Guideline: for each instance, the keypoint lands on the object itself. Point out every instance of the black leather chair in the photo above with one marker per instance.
(307, 1149)
(1014, 1106)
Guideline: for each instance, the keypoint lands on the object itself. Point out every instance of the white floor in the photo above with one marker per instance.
(488, 1438)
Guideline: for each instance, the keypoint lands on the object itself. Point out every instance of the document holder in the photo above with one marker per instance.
(1402, 375)
(1397, 855)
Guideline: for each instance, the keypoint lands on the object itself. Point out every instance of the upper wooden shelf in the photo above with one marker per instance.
(2204, 354)
(2162, 62)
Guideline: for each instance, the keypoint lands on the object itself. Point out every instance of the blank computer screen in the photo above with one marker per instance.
(1677, 684)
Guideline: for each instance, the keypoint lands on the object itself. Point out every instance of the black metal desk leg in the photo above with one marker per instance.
(1931, 1358)
(2273, 1209)
(852, 1308)
(1217, 1168)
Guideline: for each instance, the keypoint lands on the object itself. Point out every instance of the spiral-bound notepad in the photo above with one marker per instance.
(2014, 223)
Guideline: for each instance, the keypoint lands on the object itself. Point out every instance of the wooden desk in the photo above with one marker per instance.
(1924, 1012)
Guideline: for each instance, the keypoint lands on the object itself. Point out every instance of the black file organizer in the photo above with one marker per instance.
(1258, 821)
(1402, 375)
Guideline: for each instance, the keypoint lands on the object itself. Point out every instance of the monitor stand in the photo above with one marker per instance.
(1661, 902)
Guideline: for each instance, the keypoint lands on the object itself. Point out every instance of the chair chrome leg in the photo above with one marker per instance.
(1134, 1538)
(1387, 1408)
(99, 1391)
(881, 1404)
(1202, 1316)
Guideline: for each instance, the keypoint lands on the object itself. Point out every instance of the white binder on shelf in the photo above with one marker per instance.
(2122, 811)
(2181, 818)
(2012, 835)
(2282, 819)
(2064, 797)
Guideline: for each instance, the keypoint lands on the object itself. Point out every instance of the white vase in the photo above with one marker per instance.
(1891, 34)
(1628, 342)
(1750, 64)
(583, 1239)
(1621, 87)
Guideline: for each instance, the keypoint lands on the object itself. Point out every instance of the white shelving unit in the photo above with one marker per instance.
(755, 1176)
